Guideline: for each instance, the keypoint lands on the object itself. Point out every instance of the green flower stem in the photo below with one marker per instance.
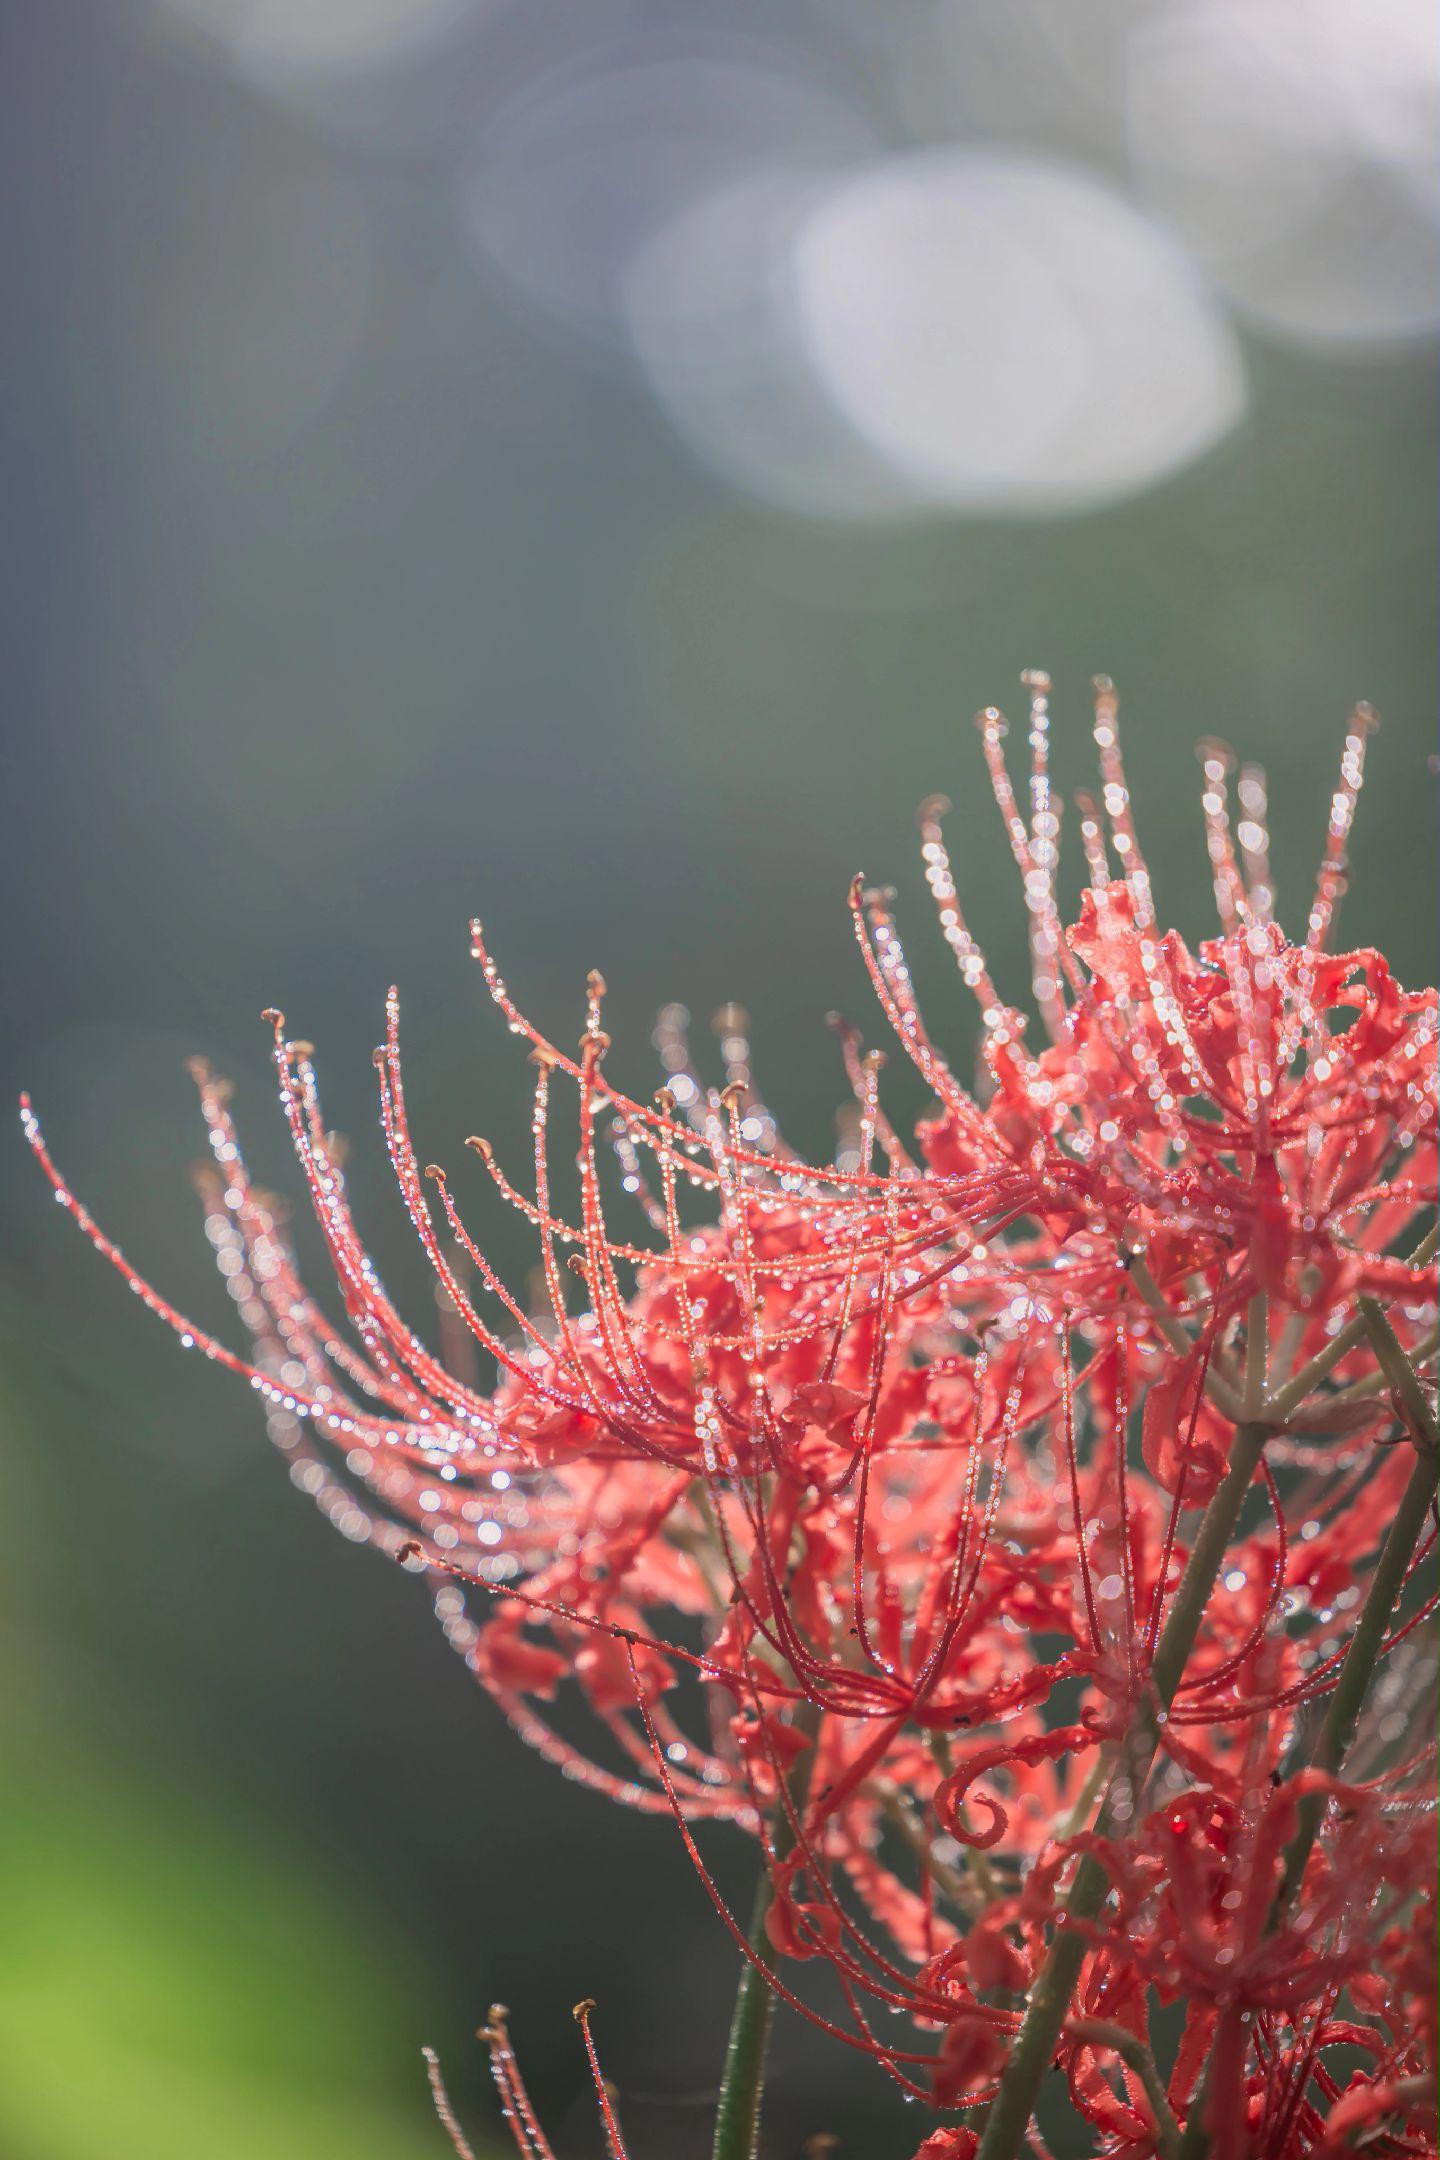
(1348, 1695)
(1404, 1382)
(1196, 2141)
(1220, 1383)
(1305, 1382)
(1137, 2057)
(737, 2118)
(1376, 1383)
(1086, 1798)
(1014, 2103)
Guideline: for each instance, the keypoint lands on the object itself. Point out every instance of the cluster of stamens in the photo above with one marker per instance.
(853, 1497)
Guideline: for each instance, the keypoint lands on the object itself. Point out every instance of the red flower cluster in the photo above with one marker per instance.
(859, 1501)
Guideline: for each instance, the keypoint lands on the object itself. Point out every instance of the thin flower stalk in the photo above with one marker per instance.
(1388, 1582)
(737, 2115)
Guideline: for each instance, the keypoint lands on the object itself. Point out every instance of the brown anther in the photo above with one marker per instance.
(933, 809)
(595, 983)
(583, 2009)
(273, 1014)
(733, 1094)
(542, 1057)
(730, 1020)
(578, 1265)
(300, 1048)
(664, 1101)
(1036, 678)
(412, 1549)
(482, 1147)
(435, 1173)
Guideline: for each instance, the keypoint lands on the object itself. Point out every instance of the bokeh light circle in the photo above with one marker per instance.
(1292, 145)
(710, 308)
(1009, 335)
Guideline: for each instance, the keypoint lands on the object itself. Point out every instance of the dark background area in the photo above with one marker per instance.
(352, 585)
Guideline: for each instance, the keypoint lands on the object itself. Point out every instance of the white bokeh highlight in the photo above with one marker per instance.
(1292, 145)
(711, 310)
(1010, 336)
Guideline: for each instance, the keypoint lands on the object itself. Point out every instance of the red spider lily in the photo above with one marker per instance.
(1195, 1923)
(827, 1498)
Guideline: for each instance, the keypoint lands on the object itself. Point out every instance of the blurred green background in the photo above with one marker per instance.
(581, 461)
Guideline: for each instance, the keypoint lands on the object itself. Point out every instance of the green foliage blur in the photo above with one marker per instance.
(177, 1975)
(168, 1986)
